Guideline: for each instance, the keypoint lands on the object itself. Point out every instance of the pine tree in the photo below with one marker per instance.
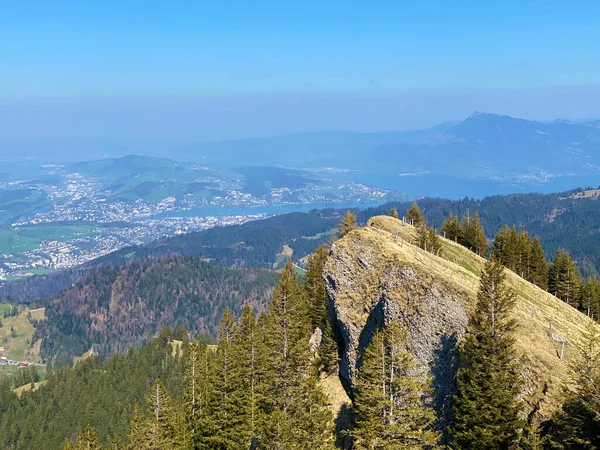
(565, 279)
(293, 404)
(414, 215)
(348, 223)
(486, 406)
(451, 228)
(389, 410)
(393, 212)
(160, 428)
(577, 424)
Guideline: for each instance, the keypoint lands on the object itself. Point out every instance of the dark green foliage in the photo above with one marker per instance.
(521, 254)
(113, 308)
(590, 297)
(393, 213)
(486, 406)
(96, 392)
(347, 223)
(293, 404)
(473, 235)
(389, 410)
(565, 280)
(451, 228)
(318, 302)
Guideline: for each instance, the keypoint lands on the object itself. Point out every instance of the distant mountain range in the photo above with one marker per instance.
(483, 145)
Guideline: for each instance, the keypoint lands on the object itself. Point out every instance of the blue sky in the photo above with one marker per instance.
(63, 62)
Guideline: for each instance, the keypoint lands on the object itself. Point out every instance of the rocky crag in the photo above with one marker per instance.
(374, 276)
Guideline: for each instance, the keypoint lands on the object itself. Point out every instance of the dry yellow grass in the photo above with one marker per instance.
(28, 388)
(38, 314)
(457, 270)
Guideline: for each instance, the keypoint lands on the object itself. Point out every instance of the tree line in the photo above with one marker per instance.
(517, 251)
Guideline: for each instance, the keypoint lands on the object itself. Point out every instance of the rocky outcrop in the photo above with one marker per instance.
(374, 276)
(370, 285)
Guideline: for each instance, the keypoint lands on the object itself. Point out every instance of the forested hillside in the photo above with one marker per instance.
(568, 220)
(258, 244)
(115, 307)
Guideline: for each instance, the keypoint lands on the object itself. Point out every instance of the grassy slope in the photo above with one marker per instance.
(17, 348)
(459, 270)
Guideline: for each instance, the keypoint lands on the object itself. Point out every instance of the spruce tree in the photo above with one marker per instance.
(316, 296)
(198, 396)
(393, 212)
(247, 348)
(137, 430)
(296, 416)
(538, 265)
(590, 297)
(389, 409)
(451, 228)
(473, 236)
(229, 434)
(500, 246)
(565, 279)
(486, 406)
(348, 223)
(160, 429)
(414, 215)
(85, 440)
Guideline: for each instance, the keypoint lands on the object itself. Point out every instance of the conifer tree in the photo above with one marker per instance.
(160, 428)
(590, 297)
(451, 228)
(247, 348)
(565, 279)
(315, 287)
(473, 236)
(500, 246)
(296, 416)
(198, 397)
(116, 444)
(348, 223)
(85, 440)
(414, 215)
(318, 302)
(389, 410)
(539, 266)
(577, 424)
(486, 406)
(137, 430)
(393, 212)
(227, 395)
(532, 438)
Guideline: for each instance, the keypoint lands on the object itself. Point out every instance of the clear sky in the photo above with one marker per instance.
(219, 69)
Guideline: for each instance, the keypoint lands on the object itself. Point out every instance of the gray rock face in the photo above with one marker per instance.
(369, 288)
